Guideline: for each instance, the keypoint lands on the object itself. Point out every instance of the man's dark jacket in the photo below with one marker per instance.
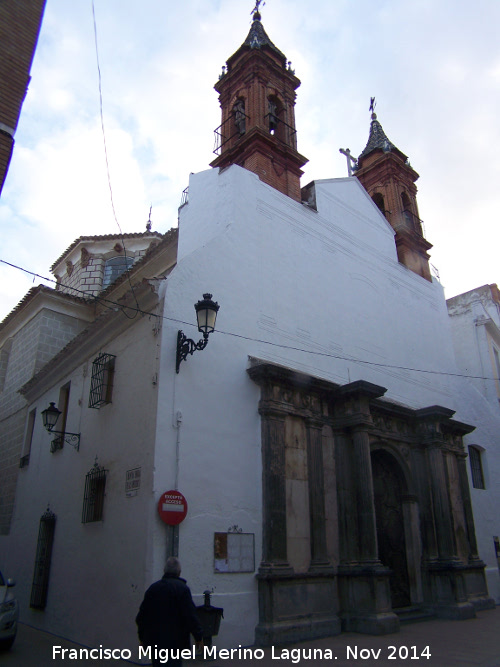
(167, 615)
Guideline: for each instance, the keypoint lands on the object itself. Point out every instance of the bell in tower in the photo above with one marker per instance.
(257, 97)
(387, 176)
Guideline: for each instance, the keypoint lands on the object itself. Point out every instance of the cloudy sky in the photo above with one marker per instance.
(433, 66)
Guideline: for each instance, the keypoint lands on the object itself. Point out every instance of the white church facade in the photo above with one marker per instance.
(319, 438)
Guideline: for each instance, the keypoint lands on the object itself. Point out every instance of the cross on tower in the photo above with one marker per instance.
(255, 10)
(347, 153)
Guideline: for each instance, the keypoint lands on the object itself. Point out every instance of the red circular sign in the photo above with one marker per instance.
(172, 508)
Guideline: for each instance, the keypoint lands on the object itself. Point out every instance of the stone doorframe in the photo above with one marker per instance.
(428, 445)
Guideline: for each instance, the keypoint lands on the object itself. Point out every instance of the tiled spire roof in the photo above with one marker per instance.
(257, 37)
(378, 140)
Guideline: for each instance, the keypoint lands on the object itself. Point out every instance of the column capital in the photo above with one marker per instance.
(315, 422)
(273, 410)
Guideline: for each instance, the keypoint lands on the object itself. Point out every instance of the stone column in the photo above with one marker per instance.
(274, 547)
(364, 494)
(316, 485)
(476, 586)
(413, 547)
(346, 501)
(420, 469)
(441, 504)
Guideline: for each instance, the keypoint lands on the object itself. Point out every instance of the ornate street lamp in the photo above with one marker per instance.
(206, 314)
(50, 416)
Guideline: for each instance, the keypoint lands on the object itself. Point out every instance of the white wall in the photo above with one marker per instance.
(326, 282)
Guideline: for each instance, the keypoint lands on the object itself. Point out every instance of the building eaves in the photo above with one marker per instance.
(105, 237)
(110, 322)
(31, 296)
(167, 239)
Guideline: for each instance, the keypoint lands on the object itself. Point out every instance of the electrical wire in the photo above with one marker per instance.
(105, 146)
(115, 305)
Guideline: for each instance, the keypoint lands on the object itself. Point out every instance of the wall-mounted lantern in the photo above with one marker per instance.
(206, 314)
(50, 416)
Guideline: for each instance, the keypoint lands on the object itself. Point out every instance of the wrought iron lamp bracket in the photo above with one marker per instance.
(72, 439)
(187, 346)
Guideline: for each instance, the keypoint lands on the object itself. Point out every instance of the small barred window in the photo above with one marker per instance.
(93, 499)
(40, 584)
(114, 268)
(476, 467)
(101, 386)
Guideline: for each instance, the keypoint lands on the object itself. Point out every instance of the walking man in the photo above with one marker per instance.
(167, 616)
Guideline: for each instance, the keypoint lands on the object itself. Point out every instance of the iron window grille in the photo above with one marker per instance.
(229, 130)
(40, 585)
(101, 386)
(114, 268)
(93, 499)
(476, 468)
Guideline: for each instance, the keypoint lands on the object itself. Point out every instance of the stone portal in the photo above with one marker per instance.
(366, 509)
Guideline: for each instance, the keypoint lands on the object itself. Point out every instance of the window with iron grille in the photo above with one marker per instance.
(114, 268)
(93, 499)
(40, 585)
(101, 385)
(476, 467)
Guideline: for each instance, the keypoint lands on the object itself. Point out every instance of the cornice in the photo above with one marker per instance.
(37, 299)
(106, 237)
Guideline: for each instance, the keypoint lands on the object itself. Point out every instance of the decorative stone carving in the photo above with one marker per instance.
(84, 258)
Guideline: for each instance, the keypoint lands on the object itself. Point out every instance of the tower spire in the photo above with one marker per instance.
(389, 179)
(257, 98)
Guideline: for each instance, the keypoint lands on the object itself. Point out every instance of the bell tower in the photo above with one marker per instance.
(387, 176)
(257, 98)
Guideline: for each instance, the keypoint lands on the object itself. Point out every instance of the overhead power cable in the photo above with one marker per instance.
(105, 145)
(108, 303)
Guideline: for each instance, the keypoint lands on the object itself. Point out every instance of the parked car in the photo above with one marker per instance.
(9, 613)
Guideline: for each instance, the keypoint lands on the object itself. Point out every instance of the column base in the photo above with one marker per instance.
(476, 586)
(298, 630)
(321, 567)
(296, 607)
(460, 611)
(456, 590)
(374, 624)
(365, 599)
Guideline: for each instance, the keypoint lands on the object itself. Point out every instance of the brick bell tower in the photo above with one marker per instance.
(257, 97)
(387, 176)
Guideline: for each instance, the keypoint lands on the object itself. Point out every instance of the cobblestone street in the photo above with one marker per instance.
(436, 643)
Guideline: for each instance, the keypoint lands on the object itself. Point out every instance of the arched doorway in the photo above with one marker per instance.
(389, 487)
